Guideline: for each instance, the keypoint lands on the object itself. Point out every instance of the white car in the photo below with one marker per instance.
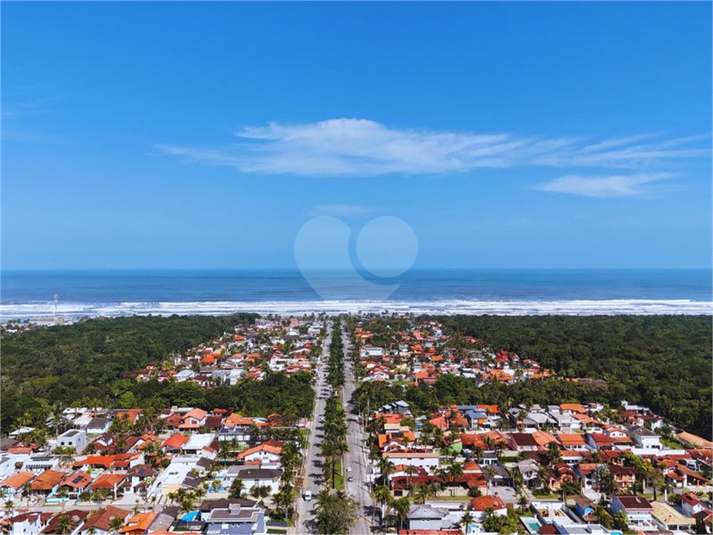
(308, 495)
(349, 468)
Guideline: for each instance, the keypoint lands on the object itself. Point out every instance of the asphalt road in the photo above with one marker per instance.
(313, 457)
(356, 458)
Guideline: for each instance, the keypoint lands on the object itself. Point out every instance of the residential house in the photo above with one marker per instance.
(14, 484)
(637, 508)
(268, 452)
(236, 519)
(669, 518)
(426, 517)
(480, 506)
(47, 482)
(76, 519)
(254, 477)
(73, 438)
(645, 438)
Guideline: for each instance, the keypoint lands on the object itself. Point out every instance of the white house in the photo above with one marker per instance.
(254, 477)
(74, 438)
(420, 459)
(184, 375)
(644, 437)
(637, 508)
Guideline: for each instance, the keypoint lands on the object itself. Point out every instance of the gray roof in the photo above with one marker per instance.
(255, 473)
(641, 431)
(426, 512)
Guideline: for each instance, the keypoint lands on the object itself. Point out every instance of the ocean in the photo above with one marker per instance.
(29, 294)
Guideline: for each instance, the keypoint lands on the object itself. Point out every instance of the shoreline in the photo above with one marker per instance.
(448, 307)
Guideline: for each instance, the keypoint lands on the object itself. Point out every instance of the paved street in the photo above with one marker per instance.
(313, 458)
(357, 457)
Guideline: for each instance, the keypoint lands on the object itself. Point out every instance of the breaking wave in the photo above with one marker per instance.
(45, 310)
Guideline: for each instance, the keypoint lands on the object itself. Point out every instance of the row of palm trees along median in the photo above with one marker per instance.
(336, 512)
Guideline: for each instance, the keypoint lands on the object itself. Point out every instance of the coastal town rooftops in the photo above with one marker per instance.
(16, 481)
(175, 441)
(668, 516)
(47, 480)
(412, 454)
(634, 503)
(139, 523)
(75, 516)
(483, 503)
(267, 447)
(694, 440)
(426, 512)
(248, 473)
(524, 439)
(641, 431)
(199, 442)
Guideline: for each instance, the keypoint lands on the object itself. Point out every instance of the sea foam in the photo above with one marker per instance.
(45, 310)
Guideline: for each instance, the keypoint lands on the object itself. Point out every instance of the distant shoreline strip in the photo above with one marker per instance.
(584, 307)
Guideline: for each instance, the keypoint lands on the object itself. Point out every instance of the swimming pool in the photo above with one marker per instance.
(531, 523)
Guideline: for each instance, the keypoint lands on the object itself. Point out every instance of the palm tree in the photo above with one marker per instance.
(553, 453)
(386, 468)
(466, 520)
(64, 525)
(186, 504)
(115, 524)
(455, 470)
(411, 470)
(401, 508)
(259, 492)
(9, 507)
(543, 476)
(478, 453)
(382, 495)
(237, 488)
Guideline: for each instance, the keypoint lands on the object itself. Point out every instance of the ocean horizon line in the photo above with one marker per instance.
(12, 271)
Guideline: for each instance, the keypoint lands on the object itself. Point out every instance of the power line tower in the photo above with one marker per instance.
(56, 297)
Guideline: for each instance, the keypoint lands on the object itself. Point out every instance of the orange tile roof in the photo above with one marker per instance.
(571, 439)
(439, 422)
(101, 519)
(131, 415)
(198, 414)
(574, 407)
(76, 480)
(139, 523)
(16, 481)
(542, 438)
(270, 448)
(175, 441)
(19, 450)
(482, 503)
(47, 480)
(108, 481)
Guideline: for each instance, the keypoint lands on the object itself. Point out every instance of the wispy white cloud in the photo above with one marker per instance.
(339, 210)
(603, 186)
(360, 147)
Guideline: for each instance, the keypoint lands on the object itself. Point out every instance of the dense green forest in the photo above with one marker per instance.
(663, 362)
(88, 360)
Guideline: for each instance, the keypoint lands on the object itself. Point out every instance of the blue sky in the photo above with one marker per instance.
(186, 135)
